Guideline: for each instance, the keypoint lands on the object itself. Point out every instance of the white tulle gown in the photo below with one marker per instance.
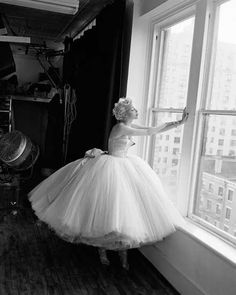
(113, 200)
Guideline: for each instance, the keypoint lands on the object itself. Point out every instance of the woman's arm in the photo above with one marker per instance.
(170, 125)
(139, 126)
(131, 131)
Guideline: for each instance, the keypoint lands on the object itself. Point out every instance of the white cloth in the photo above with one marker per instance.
(110, 200)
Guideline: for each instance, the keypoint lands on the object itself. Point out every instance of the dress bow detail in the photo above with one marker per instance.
(93, 153)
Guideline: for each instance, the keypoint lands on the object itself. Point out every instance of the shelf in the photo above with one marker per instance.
(31, 98)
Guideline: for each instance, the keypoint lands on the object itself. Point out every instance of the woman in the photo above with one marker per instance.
(110, 200)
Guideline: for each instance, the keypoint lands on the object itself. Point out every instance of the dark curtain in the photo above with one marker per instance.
(96, 65)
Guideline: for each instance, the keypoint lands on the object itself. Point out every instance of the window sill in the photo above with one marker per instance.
(210, 241)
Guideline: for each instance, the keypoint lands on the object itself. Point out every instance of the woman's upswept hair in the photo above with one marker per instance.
(123, 105)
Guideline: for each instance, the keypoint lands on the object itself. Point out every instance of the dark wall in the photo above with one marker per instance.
(97, 66)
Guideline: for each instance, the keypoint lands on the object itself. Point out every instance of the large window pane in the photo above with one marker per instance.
(216, 197)
(223, 93)
(167, 153)
(177, 47)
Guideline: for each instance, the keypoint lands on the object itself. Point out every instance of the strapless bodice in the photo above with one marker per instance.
(119, 146)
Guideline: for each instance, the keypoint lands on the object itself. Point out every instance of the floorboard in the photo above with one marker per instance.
(34, 261)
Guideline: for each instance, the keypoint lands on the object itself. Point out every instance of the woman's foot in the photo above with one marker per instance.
(103, 256)
(123, 259)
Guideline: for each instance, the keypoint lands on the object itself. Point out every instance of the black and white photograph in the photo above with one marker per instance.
(117, 147)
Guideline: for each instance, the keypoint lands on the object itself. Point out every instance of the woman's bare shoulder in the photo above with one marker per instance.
(117, 130)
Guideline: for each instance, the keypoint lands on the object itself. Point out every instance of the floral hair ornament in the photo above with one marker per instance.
(121, 107)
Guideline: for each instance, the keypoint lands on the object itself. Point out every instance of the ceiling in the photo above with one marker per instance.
(46, 26)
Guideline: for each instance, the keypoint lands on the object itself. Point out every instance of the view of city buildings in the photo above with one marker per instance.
(216, 198)
(172, 94)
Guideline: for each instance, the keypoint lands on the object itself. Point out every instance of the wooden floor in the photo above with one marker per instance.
(33, 260)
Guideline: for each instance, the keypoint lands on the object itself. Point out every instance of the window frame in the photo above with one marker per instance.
(204, 36)
(203, 112)
(155, 66)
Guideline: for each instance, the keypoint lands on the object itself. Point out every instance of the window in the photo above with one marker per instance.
(210, 187)
(233, 143)
(175, 151)
(222, 131)
(205, 147)
(208, 204)
(221, 142)
(177, 140)
(230, 195)
(227, 213)
(166, 149)
(218, 209)
(175, 162)
(219, 152)
(233, 132)
(171, 92)
(220, 191)
(231, 153)
(218, 115)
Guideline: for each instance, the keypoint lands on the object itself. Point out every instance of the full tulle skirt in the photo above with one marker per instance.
(106, 201)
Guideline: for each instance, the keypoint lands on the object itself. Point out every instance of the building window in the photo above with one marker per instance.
(233, 132)
(230, 195)
(233, 143)
(220, 191)
(210, 187)
(208, 204)
(222, 131)
(175, 162)
(177, 140)
(219, 152)
(175, 151)
(231, 153)
(166, 149)
(221, 142)
(218, 209)
(227, 213)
